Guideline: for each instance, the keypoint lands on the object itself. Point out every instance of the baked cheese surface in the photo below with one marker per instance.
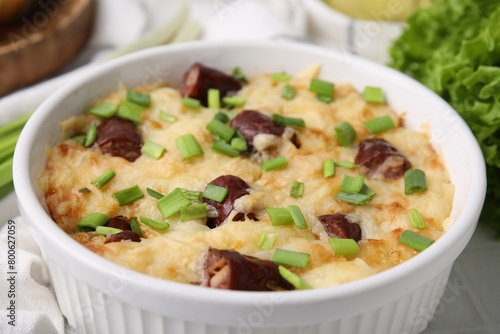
(177, 253)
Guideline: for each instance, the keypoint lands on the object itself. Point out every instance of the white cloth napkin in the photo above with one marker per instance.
(37, 310)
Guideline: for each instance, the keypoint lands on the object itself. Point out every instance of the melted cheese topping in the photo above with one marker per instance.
(177, 253)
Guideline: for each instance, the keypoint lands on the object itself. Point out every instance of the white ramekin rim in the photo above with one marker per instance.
(44, 227)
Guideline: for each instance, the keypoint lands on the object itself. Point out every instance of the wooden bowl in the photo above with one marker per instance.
(42, 41)
(12, 10)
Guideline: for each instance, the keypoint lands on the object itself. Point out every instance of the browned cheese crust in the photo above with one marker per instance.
(178, 253)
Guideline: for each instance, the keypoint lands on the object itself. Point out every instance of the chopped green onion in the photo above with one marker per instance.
(129, 195)
(188, 146)
(358, 199)
(373, 95)
(154, 193)
(93, 220)
(297, 189)
(84, 191)
(131, 111)
(239, 135)
(213, 99)
(321, 87)
(297, 216)
(344, 246)
(293, 279)
(103, 179)
(274, 163)
(415, 240)
(105, 109)
(239, 144)
(289, 121)
(215, 193)
(170, 204)
(222, 117)
(191, 103)
(216, 127)
(238, 75)
(415, 181)
(234, 101)
(324, 98)
(191, 212)
(80, 139)
(91, 136)
(352, 184)
(291, 258)
(106, 230)
(267, 240)
(279, 216)
(134, 226)
(328, 168)
(345, 164)
(155, 223)
(379, 124)
(192, 195)
(288, 92)
(152, 149)
(225, 148)
(345, 134)
(139, 98)
(365, 190)
(416, 219)
(282, 77)
(83, 229)
(167, 117)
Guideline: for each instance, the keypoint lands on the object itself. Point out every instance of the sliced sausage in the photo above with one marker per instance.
(199, 79)
(119, 222)
(125, 235)
(119, 137)
(236, 188)
(251, 123)
(379, 156)
(225, 269)
(338, 226)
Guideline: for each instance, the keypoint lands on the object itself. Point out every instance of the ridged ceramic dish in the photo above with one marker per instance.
(98, 296)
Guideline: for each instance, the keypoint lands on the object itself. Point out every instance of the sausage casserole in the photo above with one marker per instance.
(268, 183)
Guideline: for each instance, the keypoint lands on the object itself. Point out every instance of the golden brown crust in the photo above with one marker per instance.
(177, 253)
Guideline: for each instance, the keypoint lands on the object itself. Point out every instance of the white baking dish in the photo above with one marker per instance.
(98, 296)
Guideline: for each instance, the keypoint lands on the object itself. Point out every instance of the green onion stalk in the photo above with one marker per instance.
(9, 135)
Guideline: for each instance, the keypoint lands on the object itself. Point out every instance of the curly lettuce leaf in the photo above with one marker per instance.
(453, 47)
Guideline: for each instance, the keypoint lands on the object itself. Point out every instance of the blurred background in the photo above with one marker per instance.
(44, 38)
